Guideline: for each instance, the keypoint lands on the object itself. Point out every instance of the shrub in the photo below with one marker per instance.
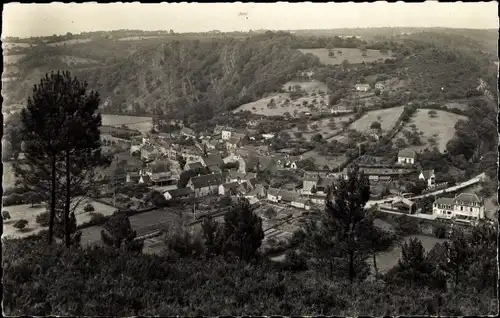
(43, 219)
(13, 199)
(89, 208)
(21, 224)
(5, 215)
(440, 231)
(294, 261)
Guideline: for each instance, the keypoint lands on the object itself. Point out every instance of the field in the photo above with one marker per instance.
(462, 105)
(323, 127)
(143, 124)
(386, 117)
(352, 55)
(320, 160)
(25, 211)
(135, 38)
(12, 59)
(69, 42)
(8, 178)
(312, 99)
(441, 127)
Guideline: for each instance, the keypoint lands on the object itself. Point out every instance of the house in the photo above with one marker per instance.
(213, 159)
(206, 184)
(465, 206)
(301, 203)
(259, 191)
(145, 179)
(310, 182)
(135, 147)
(404, 205)
(181, 193)
(252, 123)
(362, 87)
(407, 156)
(428, 176)
(235, 176)
(288, 196)
(273, 195)
(193, 166)
(215, 169)
(380, 86)
(287, 163)
(226, 133)
(230, 188)
(233, 143)
(148, 152)
(249, 164)
(188, 132)
(132, 177)
(268, 136)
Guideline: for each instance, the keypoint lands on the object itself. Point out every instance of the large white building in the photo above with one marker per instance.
(465, 206)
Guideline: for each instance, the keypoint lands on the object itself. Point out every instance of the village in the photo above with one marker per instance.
(198, 170)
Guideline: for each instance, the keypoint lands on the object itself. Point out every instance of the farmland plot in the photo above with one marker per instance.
(353, 56)
(386, 117)
(322, 126)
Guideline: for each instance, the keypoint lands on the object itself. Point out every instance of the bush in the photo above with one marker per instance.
(440, 231)
(21, 224)
(43, 219)
(294, 261)
(89, 208)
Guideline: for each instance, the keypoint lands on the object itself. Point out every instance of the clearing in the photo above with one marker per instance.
(441, 128)
(143, 124)
(311, 101)
(331, 161)
(386, 117)
(353, 56)
(29, 213)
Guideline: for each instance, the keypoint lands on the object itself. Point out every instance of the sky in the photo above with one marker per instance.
(24, 20)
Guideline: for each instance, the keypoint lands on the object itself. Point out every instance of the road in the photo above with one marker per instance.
(464, 184)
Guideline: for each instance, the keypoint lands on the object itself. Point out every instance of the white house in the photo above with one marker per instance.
(228, 188)
(465, 206)
(428, 176)
(273, 195)
(407, 156)
(268, 136)
(362, 87)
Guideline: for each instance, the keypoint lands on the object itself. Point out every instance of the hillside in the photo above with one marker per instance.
(182, 77)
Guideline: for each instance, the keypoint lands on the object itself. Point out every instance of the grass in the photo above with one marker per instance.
(441, 127)
(354, 56)
(25, 211)
(320, 160)
(143, 124)
(12, 59)
(69, 42)
(322, 127)
(388, 118)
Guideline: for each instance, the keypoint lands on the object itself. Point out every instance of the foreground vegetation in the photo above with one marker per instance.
(222, 271)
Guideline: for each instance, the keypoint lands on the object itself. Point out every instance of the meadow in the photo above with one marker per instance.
(312, 100)
(143, 124)
(322, 127)
(353, 56)
(386, 117)
(441, 128)
(13, 58)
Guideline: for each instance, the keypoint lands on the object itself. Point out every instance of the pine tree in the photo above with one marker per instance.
(458, 252)
(343, 232)
(212, 236)
(41, 123)
(243, 233)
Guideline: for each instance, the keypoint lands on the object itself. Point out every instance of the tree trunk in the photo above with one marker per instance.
(52, 201)
(67, 207)
(351, 266)
(331, 268)
(456, 276)
(375, 264)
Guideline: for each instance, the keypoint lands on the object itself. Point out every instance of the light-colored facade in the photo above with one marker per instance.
(428, 176)
(406, 156)
(464, 206)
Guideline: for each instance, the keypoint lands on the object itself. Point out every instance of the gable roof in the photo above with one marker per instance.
(446, 201)
(289, 196)
(407, 153)
(234, 140)
(273, 191)
(213, 159)
(467, 198)
(230, 185)
(187, 131)
(146, 178)
(234, 174)
(427, 174)
(215, 169)
(194, 165)
(179, 192)
(206, 180)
